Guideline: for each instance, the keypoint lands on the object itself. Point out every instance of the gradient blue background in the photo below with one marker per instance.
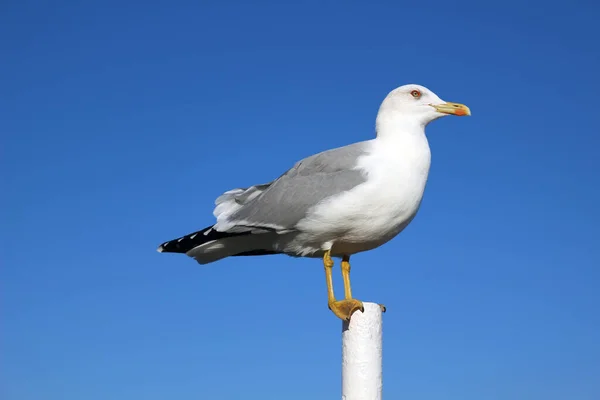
(122, 122)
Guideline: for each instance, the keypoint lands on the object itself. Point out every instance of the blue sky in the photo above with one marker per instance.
(122, 122)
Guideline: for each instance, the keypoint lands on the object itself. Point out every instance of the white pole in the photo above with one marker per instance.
(361, 355)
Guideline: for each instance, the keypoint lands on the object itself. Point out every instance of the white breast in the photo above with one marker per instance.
(376, 211)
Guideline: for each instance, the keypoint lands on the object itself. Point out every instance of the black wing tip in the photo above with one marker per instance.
(195, 239)
(185, 243)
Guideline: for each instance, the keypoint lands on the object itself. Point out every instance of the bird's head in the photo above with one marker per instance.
(419, 105)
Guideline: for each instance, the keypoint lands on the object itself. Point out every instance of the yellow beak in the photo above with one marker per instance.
(452, 108)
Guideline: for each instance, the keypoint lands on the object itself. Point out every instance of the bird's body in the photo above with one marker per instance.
(336, 203)
(374, 212)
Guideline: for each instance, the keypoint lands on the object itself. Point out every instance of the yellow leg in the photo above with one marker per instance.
(346, 276)
(328, 262)
(343, 309)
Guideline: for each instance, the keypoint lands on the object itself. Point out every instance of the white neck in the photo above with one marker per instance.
(393, 124)
(402, 142)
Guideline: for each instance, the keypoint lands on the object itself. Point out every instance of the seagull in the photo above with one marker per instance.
(335, 203)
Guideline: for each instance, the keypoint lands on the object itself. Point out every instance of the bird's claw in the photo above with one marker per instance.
(344, 309)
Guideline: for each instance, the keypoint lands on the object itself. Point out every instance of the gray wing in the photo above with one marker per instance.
(281, 204)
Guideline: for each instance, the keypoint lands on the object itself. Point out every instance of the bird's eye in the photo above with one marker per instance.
(416, 94)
